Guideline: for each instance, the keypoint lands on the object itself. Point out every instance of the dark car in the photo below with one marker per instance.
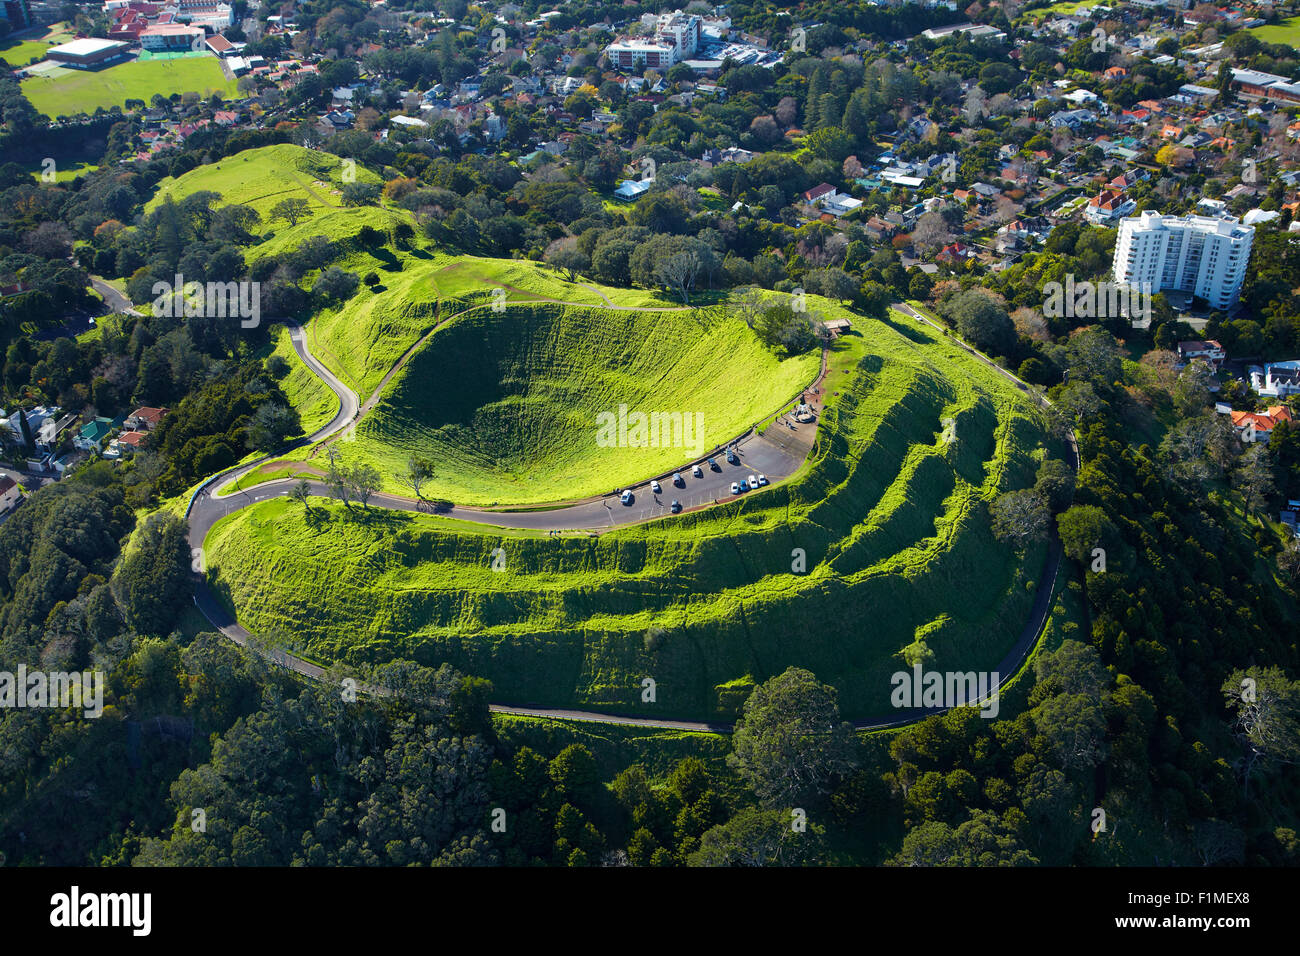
(677, 506)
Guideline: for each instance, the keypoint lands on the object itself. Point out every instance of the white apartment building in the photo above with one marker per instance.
(676, 37)
(632, 53)
(682, 31)
(1198, 254)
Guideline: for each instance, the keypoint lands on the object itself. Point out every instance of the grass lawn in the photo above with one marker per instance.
(1288, 32)
(63, 170)
(23, 52)
(508, 402)
(70, 92)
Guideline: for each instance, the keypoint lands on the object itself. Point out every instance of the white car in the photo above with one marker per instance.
(735, 488)
(762, 479)
(753, 482)
(626, 498)
(697, 471)
(655, 487)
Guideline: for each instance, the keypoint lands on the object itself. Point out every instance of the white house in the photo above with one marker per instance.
(632, 189)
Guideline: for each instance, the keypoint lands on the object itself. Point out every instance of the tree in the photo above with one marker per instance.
(755, 837)
(746, 303)
(1266, 704)
(790, 744)
(833, 283)
(418, 471)
(335, 283)
(780, 326)
(982, 322)
(301, 493)
(920, 285)
(570, 260)
(291, 210)
(153, 580)
(25, 427)
(49, 240)
(931, 232)
(1055, 482)
(363, 480)
(1192, 390)
(359, 194)
(1253, 477)
(678, 272)
(273, 423)
(1083, 528)
(1020, 517)
(336, 478)
(1094, 355)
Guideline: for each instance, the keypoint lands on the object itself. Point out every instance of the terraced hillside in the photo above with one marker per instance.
(890, 514)
(506, 404)
(264, 176)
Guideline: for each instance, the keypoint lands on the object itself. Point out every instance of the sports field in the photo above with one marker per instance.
(1288, 32)
(69, 92)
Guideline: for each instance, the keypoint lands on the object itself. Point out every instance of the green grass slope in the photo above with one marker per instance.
(506, 403)
(263, 177)
(901, 564)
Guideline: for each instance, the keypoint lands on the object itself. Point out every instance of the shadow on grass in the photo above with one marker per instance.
(911, 332)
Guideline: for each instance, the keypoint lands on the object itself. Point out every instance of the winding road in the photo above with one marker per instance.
(778, 453)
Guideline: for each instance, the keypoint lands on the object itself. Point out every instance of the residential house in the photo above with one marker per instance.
(125, 444)
(1258, 426)
(817, 192)
(630, 190)
(840, 204)
(10, 493)
(145, 419)
(1276, 379)
(1108, 206)
(1209, 351)
(92, 435)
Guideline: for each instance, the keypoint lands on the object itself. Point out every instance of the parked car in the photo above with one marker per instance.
(731, 458)
(713, 465)
(678, 480)
(735, 488)
(762, 479)
(626, 498)
(753, 481)
(697, 471)
(677, 506)
(655, 487)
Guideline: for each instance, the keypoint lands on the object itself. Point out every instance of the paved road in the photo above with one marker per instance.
(775, 457)
(115, 300)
